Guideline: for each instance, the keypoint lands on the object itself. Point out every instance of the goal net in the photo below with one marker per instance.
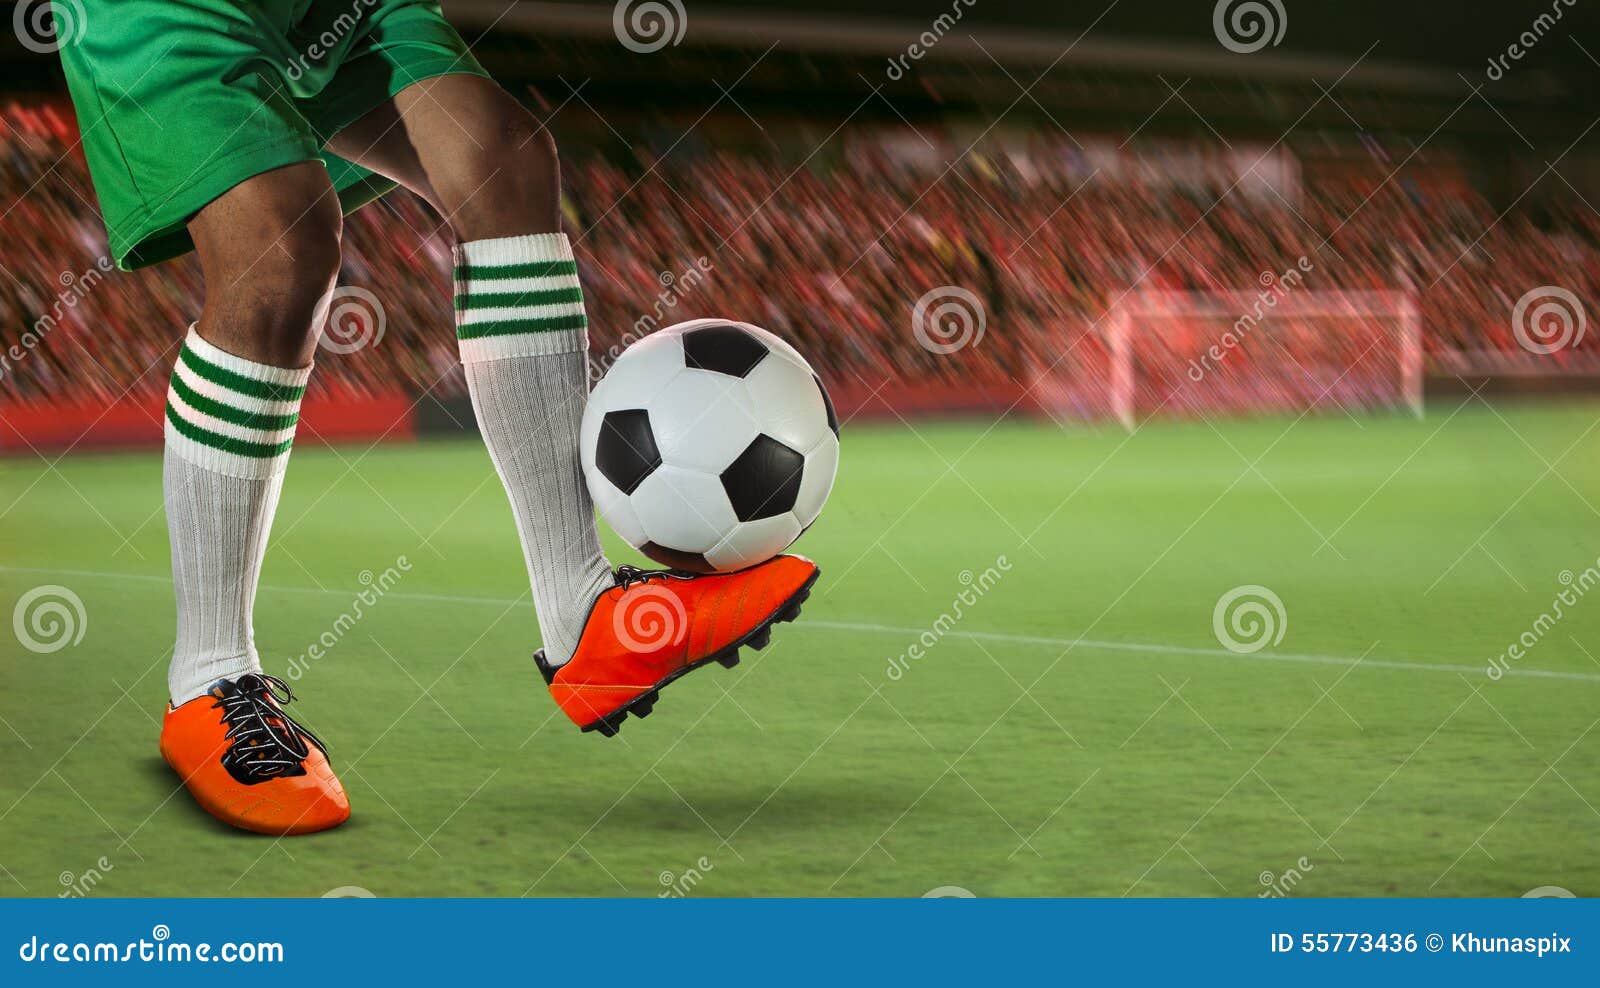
(1201, 354)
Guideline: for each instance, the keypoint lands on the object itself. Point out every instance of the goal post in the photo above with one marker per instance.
(1178, 354)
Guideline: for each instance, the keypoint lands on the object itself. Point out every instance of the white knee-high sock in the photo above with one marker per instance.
(230, 423)
(524, 343)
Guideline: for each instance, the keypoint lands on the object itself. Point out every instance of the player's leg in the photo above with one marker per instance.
(611, 642)
(490, 170)
(193, 140)
(269, 253)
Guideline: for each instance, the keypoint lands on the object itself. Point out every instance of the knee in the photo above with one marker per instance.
(293, 282)
(300, 261)
(528, 142)
(505, 140)
(272, 284)
(508, 181)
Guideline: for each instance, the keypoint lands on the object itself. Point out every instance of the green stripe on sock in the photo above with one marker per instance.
(238, 382)
(501, 300)
(510, 327)
(530, 269)
(227, 413)
(227, 444)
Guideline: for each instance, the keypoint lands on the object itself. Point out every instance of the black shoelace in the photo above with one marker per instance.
(265, 742)
(626, 576)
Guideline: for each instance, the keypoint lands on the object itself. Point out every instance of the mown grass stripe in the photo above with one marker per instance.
(510, 327)
(502, 300)
(238, 382)
(228, 413)
(227, 444)
(529, 269)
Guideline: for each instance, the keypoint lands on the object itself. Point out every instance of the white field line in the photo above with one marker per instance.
(889, 629)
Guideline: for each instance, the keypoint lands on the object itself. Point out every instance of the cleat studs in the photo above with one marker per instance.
(730, 660)
(762, 638)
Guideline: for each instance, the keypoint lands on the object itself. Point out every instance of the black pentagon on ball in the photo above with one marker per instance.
(765, 479)
(827, 402)
(689, 562)
(626, 451)
(724, 348)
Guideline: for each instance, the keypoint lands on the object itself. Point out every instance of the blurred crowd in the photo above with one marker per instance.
(999, 268)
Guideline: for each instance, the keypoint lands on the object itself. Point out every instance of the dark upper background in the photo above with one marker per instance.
(1462, 34)
(1389, 69)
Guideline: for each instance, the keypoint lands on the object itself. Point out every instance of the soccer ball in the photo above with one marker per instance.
(710, 445)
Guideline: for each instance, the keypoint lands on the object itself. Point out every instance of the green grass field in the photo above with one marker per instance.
(1079, 730)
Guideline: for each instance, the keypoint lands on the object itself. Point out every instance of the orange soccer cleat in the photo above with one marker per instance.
(248, 763)
(656, 625)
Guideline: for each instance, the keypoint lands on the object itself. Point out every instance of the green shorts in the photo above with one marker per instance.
(178, 101)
